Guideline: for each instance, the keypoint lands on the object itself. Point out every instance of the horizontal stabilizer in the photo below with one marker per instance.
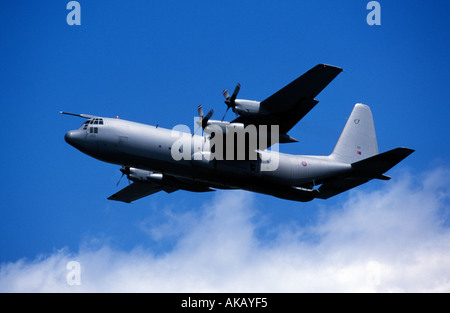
(364, 171)
(336, 186)
(376, 166)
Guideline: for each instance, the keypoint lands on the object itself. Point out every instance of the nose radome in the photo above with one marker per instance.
(68, 136)
(74, 138)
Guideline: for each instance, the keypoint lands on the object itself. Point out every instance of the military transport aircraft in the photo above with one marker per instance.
(156, 159)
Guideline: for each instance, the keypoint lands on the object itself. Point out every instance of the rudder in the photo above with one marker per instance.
(358, 139)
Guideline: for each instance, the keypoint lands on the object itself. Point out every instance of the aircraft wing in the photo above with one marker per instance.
(137, 191)
(290, 104)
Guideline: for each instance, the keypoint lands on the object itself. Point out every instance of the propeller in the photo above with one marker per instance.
(125, 171)
(206, 118)
(230, 101)
(203, 119)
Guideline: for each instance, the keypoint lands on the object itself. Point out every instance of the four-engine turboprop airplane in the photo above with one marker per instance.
(156, 159)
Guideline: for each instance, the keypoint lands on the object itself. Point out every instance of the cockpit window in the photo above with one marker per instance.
(95, 121)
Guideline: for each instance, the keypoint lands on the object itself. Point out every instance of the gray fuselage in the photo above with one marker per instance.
(151, 148)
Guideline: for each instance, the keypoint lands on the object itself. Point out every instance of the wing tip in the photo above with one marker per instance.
(323, 65)
(404, 151)
(113, 198)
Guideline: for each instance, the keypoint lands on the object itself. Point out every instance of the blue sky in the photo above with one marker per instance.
(155, 63)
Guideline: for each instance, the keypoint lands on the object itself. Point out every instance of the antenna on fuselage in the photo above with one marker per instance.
(79, 115)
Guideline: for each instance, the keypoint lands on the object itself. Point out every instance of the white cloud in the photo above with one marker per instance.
(393, 239)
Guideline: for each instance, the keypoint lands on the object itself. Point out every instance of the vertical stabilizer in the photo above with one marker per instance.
(358, 140)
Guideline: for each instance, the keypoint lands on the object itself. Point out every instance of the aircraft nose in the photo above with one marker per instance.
(74, 138)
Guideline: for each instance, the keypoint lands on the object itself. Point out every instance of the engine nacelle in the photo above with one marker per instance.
(138, 175)
(246, 107)
(213, 126)
(223, 127)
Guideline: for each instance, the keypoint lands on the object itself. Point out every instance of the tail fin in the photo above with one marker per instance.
(358, 140)
(357, 146)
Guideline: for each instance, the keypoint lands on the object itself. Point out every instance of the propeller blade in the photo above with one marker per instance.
(207, 117)
(226, 94)
(210, 113)
(199, 122)
(195, 131)
(203, 120)
(125, 171)
(120, 180)
(230, 101)
(225, 114)
(235, 93)
(200, 111)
